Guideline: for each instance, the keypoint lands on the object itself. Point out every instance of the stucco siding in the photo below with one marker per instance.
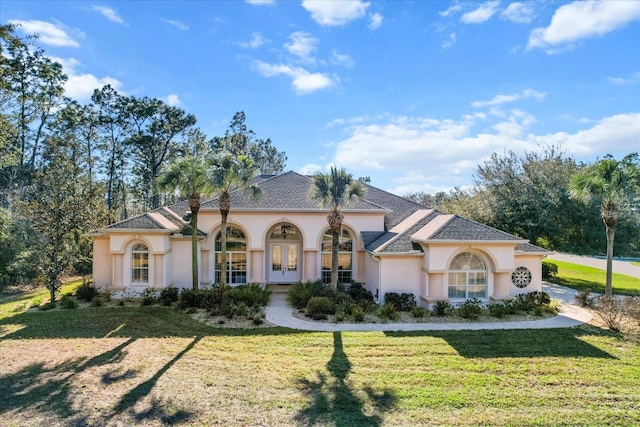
(102, 267)
(401, 274)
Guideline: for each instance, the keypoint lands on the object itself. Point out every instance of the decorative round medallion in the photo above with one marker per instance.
(521, 277)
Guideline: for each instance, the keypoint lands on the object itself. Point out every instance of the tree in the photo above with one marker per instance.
(335, 190)
(191, 177)
(230, 173)
(240, 140)
(614, 185)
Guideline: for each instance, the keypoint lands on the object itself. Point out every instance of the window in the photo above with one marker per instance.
(467, 277)
(345, 256)
(139, 263)
(236, 256)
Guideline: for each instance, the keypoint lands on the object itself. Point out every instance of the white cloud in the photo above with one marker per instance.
(257, 40)
(450, 41)
(108, 13)
(80, 86)
(173, 100)
(261, 2)
(482, 13)
(342, 59)
(521, 13)
(583, 19)
(309, 169)
(508, 98)
(335, 13)
(454, 8)
(302, 45)
(436, 154)
(302, 80)
(375, 21)
(634, 78)
(178, 24)
(48, 33)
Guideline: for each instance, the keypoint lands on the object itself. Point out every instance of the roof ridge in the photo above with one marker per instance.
(400, 197)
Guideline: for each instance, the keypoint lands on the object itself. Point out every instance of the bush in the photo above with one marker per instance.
(358, 314)
(553, 307)
(531, 301)
(97, 301)
(150, 296)
(388, 311)
(199, 298)
(610, 310)
(585, 298)
(442, 308)
(86, 291)
(36, 302)
(358, 293)
(470, 309)
(419, 312)
(68, 302)
(251, 294)
(632, 308)
(498, 309)
(169, 295)
(346, 308)
(319, 307)
(301, 292)
(549, 270)
(402, 302)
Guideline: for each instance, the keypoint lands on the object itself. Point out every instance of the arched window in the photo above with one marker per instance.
(139, 263)
(467, 277)
(236, 256)
(345, 257)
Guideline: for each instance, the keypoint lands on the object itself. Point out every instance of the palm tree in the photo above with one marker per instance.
(191, 177)
(613, 184)
(230, 173)
(335, 190)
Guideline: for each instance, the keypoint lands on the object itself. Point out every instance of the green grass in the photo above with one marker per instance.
(21, 302)
(635, 263)
(157, 366)
(581, 277)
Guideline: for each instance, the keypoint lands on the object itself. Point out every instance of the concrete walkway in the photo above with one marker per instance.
(280, 313)
(619, 266)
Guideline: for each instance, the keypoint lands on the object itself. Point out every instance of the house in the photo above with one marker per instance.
(389, 243)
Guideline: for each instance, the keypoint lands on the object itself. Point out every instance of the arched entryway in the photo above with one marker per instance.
(284, 263)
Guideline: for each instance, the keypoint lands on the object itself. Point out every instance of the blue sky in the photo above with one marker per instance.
(413, 94)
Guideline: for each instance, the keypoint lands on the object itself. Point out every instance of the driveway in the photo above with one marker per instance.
(619, 266)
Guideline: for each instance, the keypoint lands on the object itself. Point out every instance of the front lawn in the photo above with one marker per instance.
(581, 277)
(157, 366)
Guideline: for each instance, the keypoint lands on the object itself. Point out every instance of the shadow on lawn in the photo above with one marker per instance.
(562, 342)
(335, 401)
(49, 390)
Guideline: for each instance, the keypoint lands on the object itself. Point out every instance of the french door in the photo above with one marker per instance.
(284, 266)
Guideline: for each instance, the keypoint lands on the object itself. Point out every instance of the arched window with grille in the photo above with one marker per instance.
(467, 277)
(236, 256)
(139, 263)
(345, 257)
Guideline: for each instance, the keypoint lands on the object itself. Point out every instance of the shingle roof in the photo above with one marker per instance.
(394, 242)
(530, 248)
(458, 228)
(288, 191)
(157, 219)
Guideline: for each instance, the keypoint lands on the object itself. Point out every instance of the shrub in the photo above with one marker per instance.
(402, 302)
(251, 294)
(498, 309)
(358, 293)
(301, 292)
(319, 307)
(346, 308)
(585, 298)
(632, 306)
(199, 298)
(531, 301)
(470, 309)
(86, 291)
(149, 297)
(388, 311)
(419, 312)
(442, 308)
(68, 302)
(36, 302)
(169, 295)
(368, 306)
(258, 320)
(610, 311)
(358, 314)
(549, 270)
(553, 307)
(97, 301)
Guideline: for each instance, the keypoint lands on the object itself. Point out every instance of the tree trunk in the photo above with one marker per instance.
(223, 256)
(194, 248)
(611, 233)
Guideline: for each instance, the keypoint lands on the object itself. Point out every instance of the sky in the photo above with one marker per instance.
(414, 95)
